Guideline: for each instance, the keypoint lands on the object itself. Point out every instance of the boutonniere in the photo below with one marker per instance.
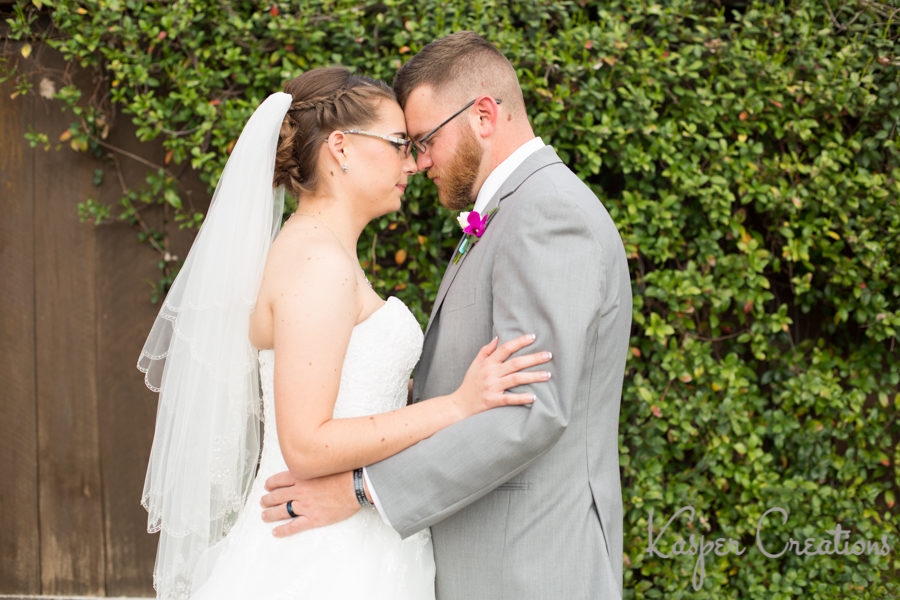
(473, 225)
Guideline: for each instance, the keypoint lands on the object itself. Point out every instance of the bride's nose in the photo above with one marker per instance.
(409, 164)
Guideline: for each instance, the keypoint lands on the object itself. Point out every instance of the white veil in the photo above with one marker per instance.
(199, 358)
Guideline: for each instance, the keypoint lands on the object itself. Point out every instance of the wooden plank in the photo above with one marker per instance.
(127, 407)
(19, 541)
(70, 503)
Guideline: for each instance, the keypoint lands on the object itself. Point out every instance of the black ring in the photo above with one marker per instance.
(291, 512)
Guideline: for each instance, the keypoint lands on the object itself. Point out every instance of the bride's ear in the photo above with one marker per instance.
(337, 146)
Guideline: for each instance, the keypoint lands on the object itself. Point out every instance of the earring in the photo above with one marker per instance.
(345, 168)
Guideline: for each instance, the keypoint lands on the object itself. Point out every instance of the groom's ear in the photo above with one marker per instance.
(486, 114)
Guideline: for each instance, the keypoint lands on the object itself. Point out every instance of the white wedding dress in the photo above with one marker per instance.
(361, 557)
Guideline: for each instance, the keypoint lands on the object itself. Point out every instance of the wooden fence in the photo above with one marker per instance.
(77, 421)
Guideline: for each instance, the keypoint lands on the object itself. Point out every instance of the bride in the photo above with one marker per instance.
(295, 321)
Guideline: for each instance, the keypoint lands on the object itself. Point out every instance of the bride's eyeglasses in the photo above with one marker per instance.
(401, 144)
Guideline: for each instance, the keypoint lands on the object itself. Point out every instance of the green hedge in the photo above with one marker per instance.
(748, 153)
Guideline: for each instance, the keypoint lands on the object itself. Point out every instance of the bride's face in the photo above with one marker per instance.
(379, 167)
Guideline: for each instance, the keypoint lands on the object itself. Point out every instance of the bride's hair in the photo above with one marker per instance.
(323, 100)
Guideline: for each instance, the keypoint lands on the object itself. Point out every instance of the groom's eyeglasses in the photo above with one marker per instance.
(401, 144)
(420, 145)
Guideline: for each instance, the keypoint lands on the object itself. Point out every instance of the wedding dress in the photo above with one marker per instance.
(360, 557)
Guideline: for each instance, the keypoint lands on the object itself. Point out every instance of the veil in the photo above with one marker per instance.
(199, 358)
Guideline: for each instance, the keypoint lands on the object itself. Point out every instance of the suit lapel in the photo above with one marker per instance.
(446, 280)
(534, 163)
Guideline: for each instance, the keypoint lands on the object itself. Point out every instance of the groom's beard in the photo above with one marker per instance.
(458, 179)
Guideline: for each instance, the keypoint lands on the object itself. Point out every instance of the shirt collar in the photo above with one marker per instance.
(502, 172)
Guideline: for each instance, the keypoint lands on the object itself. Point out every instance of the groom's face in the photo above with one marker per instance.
(453, 154)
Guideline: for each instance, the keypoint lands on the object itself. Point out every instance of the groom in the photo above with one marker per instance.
(523, 502)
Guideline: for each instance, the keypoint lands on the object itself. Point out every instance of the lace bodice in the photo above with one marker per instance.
(381, 354)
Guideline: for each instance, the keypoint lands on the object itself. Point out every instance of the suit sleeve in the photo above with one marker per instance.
(547, 279)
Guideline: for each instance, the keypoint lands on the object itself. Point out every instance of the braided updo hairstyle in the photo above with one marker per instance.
(323, 100)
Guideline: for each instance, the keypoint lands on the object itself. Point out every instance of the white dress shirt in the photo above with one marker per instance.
(490, 186)
(502, 172)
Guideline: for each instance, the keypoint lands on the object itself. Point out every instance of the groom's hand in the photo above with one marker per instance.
(316, 502)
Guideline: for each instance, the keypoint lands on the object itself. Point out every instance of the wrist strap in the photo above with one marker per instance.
(359, 487)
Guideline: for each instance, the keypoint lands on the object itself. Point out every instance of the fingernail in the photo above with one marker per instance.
(548, 355)
(533, 398)
(547, 374)
(533, 337)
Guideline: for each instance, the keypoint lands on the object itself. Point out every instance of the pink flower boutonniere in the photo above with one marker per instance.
(473, 225)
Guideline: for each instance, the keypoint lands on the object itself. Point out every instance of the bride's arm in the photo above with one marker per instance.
(314, 313)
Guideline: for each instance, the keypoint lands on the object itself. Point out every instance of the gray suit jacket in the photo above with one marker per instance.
(525, 502)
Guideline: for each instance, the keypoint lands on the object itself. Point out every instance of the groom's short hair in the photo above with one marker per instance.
(461, 64)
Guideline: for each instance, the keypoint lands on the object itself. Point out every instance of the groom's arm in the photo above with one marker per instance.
(549, 278)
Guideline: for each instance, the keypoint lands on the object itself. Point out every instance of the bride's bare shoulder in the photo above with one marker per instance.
(306, 253)
(303, 258)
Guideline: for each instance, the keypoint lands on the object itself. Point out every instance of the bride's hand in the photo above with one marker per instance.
(491, 374)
